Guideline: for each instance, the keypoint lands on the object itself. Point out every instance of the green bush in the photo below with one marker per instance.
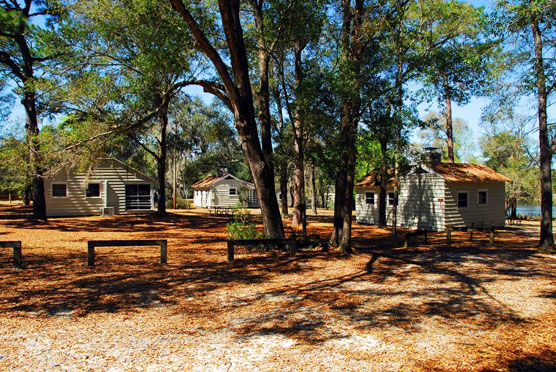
(241, 228)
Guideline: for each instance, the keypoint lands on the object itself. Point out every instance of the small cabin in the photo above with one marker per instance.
(224, 190)
(110, 187)
(438, 195)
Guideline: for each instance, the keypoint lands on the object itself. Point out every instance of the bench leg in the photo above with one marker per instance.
(90, 254)
(230, 252)
(163, 252)
(17, 255)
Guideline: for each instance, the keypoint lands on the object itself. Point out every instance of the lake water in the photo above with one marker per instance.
(531, 210)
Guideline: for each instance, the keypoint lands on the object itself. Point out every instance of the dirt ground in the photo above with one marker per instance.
(430, 307)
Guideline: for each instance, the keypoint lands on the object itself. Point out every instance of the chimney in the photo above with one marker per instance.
(433, 155)
(222, 171)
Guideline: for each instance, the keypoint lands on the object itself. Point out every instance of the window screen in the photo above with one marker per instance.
(93, 190)
(59, 190)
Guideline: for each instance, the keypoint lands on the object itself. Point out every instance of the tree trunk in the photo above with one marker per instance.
(382, 192)
(449, 127)
(162, 150)
(313, 190)
(239, 97)
(284, 190)
(546, 242)
(299, 206)
(32, 131)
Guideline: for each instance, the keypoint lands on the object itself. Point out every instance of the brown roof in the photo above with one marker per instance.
(205, 182)
(371, 180)
(455, 172)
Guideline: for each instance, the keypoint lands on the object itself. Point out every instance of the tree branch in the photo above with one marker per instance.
(8, 61)
(207, 48)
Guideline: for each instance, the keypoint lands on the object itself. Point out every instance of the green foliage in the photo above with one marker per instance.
(241, 227)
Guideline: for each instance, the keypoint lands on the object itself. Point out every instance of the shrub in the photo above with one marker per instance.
(241, 228)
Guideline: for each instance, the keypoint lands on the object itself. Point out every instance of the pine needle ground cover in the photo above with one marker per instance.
(431, 307)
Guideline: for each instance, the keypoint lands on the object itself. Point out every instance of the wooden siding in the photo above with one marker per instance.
(480, 216)
(77, 204)
(420, 204)
(221, 191)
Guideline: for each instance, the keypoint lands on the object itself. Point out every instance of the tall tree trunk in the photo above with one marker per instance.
(283, 178)
(352, 49)
(162, 152)
(299, 206)
(546, 242)
(449, 127)
(382, 192)
(32, 131)
(313, 190)
(239, 98)
(263, 96)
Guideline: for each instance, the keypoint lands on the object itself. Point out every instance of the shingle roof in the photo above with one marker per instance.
(372, 180)
(459, 172)
(205, 182)
(451, 172)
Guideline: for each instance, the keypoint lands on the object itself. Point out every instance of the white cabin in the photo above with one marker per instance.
(225, 190)
(111, 187)
(433, 197)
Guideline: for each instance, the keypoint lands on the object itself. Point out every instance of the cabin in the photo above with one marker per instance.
(224, 190)
(110, 187)
(437, 195)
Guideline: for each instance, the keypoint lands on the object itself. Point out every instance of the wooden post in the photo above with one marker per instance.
(230, 251)
(471, 233)
(491, 235)
(90, 254)
(449, 235)
(405, 242)
(163, 252)
(293, 248)
(18, 260)
(10, 199)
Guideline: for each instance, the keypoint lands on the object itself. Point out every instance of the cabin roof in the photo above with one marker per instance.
(461, 172)
(212, 179)
(451, 172)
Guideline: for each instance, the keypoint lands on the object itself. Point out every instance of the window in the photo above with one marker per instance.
(93, 190)
(137, 196)
(391, 199)
(59, 190)
(233, 191)
(370, 198)
(482, 197)
(463, 199)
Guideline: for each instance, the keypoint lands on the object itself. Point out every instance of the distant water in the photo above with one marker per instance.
(532, 210)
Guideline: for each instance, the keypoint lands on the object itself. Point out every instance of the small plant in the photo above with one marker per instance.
(241, 228)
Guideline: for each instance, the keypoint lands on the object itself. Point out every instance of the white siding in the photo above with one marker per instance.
(420, 203)
(480, 215)
(77, 204)
(221, 190)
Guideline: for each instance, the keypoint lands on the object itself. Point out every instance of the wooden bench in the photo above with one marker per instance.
(514, 221)
(413, 234)
(91, 244)
(281, 242)
(16, 245)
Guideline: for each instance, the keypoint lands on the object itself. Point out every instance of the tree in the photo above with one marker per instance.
(235, 91)
(24, 51)
(458, 67)
(506, 152)
(149, 65)
(533, 24)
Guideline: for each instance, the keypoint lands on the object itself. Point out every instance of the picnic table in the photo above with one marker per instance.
(222, 211)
